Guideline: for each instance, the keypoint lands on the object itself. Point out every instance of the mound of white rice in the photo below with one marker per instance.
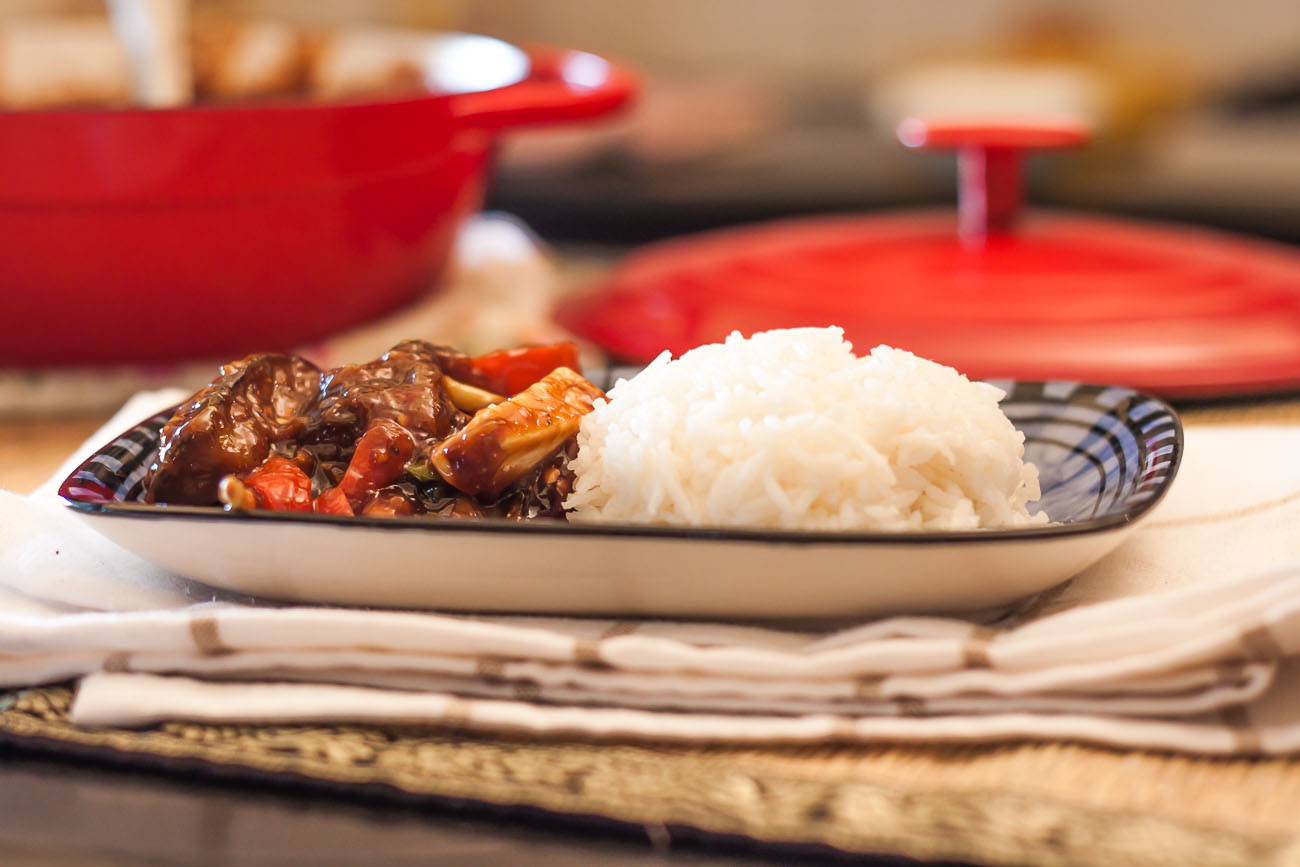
(790, 429)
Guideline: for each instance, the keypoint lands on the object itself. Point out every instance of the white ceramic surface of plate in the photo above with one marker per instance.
(1106, 455)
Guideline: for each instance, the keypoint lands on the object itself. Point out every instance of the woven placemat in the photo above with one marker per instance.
(1042, 804)
(1020, 803)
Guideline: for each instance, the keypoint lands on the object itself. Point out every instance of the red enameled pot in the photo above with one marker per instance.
(210, 231)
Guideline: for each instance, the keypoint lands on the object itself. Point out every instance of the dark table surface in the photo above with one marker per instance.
(60, 813)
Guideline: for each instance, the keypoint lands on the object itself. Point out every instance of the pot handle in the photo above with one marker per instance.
(561, 86)
(989, 154)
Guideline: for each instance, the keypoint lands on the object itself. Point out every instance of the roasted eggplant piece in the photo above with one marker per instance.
(230, 426)
(404, 385)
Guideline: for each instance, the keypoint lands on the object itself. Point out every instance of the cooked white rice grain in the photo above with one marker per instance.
(789, 429)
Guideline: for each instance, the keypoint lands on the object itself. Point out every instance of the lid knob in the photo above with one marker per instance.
(989, 183)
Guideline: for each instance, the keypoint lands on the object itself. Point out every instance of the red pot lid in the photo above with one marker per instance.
(1164, 308)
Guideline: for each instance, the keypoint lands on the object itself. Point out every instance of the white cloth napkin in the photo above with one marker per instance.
(1182, 639)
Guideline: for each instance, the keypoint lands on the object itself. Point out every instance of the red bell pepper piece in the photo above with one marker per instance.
(333, 502)
(380, 457)
(281, 485)
(509, 371)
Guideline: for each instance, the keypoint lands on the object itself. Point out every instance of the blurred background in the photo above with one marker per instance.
(760, 108)
(751, 110)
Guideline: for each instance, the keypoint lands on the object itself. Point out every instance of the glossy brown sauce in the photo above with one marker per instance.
(230, 426)
(384, 438)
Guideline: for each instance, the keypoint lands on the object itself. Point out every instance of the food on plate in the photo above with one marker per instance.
(230, 426)
(417, 431)
(501, 443)
(789, 429)
(786, 429)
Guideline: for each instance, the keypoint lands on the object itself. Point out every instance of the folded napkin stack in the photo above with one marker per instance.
(1186, 638)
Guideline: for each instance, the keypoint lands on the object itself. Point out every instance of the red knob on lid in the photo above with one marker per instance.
(989, 188)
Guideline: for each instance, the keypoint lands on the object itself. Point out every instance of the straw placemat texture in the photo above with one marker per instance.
(1018, 803)
(1015, 804)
